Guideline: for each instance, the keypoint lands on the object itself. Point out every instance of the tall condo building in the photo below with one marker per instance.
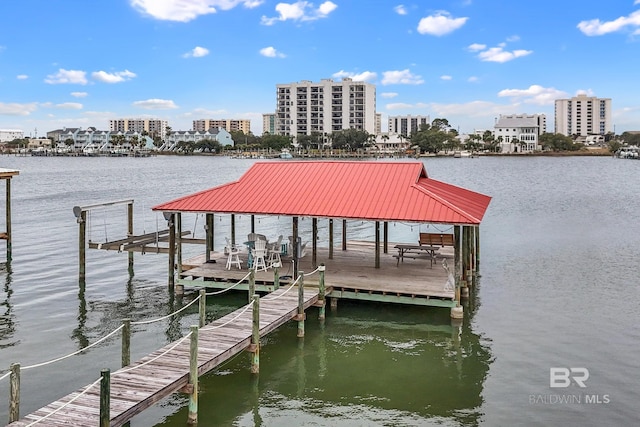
(154, 127)
(583, 115)
(229, 125)
(325, 107)
(405, 125)
(269, 123)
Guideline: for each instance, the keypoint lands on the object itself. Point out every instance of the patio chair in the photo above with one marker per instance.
(259, 255)
(233, 255)
(273, 249)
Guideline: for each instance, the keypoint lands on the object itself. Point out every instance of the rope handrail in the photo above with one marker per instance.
(66, 404)
(69, 355)
(230, 287)
(278, 296)
(131, 368)
(313, 272)
(247, 307)
(146, 322)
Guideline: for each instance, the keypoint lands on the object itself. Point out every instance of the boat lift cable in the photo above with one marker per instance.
(193, 234)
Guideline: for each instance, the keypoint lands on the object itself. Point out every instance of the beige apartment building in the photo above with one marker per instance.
(583, 115)
(325, 107)
(154, 127)
(230, 125)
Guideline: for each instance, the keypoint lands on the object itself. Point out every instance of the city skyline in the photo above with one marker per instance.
(463, 60)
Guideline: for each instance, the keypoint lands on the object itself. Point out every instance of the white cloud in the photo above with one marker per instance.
(70, 106)
(79, 94)
(400, 9)
(271, 52)
(513, 38)
(595, 27)
(187, 10)
(365, 76)
(300, 11)
(197, 52)
(472, 79)
(405, 106)
(587, 92)
(404, 77)
(445, 77)
(67, 76)
(15, 109)
(22, 77)
(156, 104)
(389, 94)
(476, 47)
(534, 94)
(439, 24)
(117, 77)
(498, 54)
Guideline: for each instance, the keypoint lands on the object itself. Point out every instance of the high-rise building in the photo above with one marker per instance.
(269, 123)
(406, 125)
(230, 125)
(325, 107)
(154, 127)
(583, 115)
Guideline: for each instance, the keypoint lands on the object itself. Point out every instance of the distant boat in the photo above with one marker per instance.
(286, 154)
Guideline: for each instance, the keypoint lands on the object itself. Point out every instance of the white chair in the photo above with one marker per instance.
(259, 255)
(233, 255)
(274, 251)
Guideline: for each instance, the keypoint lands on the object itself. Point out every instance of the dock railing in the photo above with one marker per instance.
(15, 369)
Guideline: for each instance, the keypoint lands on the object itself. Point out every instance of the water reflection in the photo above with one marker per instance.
(369, 364)
(7, 317)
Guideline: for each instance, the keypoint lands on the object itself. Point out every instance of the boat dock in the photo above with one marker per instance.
(140, 385)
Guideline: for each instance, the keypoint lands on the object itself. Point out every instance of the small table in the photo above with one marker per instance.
(250, 245)
(416, 251)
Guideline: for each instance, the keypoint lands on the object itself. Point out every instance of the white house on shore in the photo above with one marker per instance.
(519, 133)
(193, 136)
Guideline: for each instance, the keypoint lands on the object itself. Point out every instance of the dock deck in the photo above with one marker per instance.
(166, 370)
(351, 274)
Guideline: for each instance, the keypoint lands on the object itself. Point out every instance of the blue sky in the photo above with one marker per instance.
(78, 63)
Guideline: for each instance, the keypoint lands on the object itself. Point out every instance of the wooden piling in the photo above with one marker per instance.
(252, 284)
(126, 342)
(344, 234)
(300, 316)
(193, 377)
(276, 276)
(14, 393)
(105, 398)
(8, 217)
(255, 336)
(202, 309)
(172, 252)
(331, 238)
(209, 239)
(82, 244)
(377, 248)
(130, 229)
(321, 293)
(314, 243)
(385, 237)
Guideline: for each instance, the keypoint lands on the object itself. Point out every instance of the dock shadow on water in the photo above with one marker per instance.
(367, 364)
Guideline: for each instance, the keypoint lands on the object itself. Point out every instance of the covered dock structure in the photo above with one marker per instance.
(374, 192)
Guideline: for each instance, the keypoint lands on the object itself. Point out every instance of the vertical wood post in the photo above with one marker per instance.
(294, 250)
(321, 293)
(126, 342)
(8, 217)
(457, 262)
(255, 336)
(344, 234)
(276, 276)
(331, 238)
(252, 283)
(82, 244)
(202, 307)
(377, 238)
(209, 238)
(233, 229)
(105, 398)
(130, 229)
(253, 223)
(14, 392)
(193, 377)
(385, 239)
(314, 233)
(301, 305)
(172, 252)
(179, 242)
(478, 250)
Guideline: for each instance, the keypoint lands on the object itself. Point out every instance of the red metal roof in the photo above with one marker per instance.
(376, 191)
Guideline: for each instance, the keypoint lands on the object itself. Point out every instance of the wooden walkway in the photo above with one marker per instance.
(133, 391)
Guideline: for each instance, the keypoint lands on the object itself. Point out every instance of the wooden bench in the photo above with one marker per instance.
(436, 239)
